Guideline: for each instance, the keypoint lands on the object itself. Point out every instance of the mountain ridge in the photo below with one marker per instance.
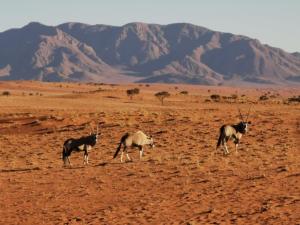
(141, 52)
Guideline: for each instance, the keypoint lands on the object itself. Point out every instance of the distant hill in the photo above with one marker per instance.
(139, 52)
(297, 54)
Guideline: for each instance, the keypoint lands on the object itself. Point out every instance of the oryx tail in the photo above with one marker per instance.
(222, 135)
(120, 145)
(64, 154)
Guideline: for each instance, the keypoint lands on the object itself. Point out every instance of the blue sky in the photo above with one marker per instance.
(273, 22)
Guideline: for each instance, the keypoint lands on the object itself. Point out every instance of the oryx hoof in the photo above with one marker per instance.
(67, 165)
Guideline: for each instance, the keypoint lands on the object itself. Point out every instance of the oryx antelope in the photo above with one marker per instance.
(233, 132)
(84, 144)
(138, 139)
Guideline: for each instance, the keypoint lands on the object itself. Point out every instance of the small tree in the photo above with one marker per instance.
(6, 93)
(162, 95)
(132, 92)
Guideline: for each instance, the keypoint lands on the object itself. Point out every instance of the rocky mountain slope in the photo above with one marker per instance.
(175, 53)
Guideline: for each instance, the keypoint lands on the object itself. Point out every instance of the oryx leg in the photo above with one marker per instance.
(236, 142)
(141, 150)
(86, 159)
(226, 152)
(122, 153)
(86, 156)
(66, 154)
(225, 148)
(127, 155)
(68, 160)
(65, 160)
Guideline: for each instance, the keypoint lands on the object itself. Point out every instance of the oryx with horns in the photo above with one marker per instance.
(233, 132)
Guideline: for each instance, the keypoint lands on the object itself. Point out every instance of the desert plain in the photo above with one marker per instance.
(183, 180)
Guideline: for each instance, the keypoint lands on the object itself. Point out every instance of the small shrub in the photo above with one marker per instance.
(224, 97)
(215, 97)
(184, 92)
(6, 93)
(234, 96)
(263, 98)
(294, 99)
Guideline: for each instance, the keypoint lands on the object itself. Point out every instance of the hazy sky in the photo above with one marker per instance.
(273, 22)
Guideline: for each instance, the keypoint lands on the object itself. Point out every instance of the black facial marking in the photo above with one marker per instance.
(241, 127)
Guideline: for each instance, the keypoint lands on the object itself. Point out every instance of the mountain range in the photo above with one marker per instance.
(140, 52)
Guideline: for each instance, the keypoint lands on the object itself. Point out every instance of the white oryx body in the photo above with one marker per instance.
(138, 139)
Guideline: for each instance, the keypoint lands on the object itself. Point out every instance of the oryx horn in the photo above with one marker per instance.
(248, 113)
(241, 115)
(91, 129)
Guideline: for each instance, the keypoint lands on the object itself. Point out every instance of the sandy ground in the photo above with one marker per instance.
(183, 180)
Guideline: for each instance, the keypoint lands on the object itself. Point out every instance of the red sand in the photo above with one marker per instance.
(184, 180)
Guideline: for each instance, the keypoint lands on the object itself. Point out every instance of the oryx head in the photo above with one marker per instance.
(94, 135)
(243, 125)
(150, 141)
